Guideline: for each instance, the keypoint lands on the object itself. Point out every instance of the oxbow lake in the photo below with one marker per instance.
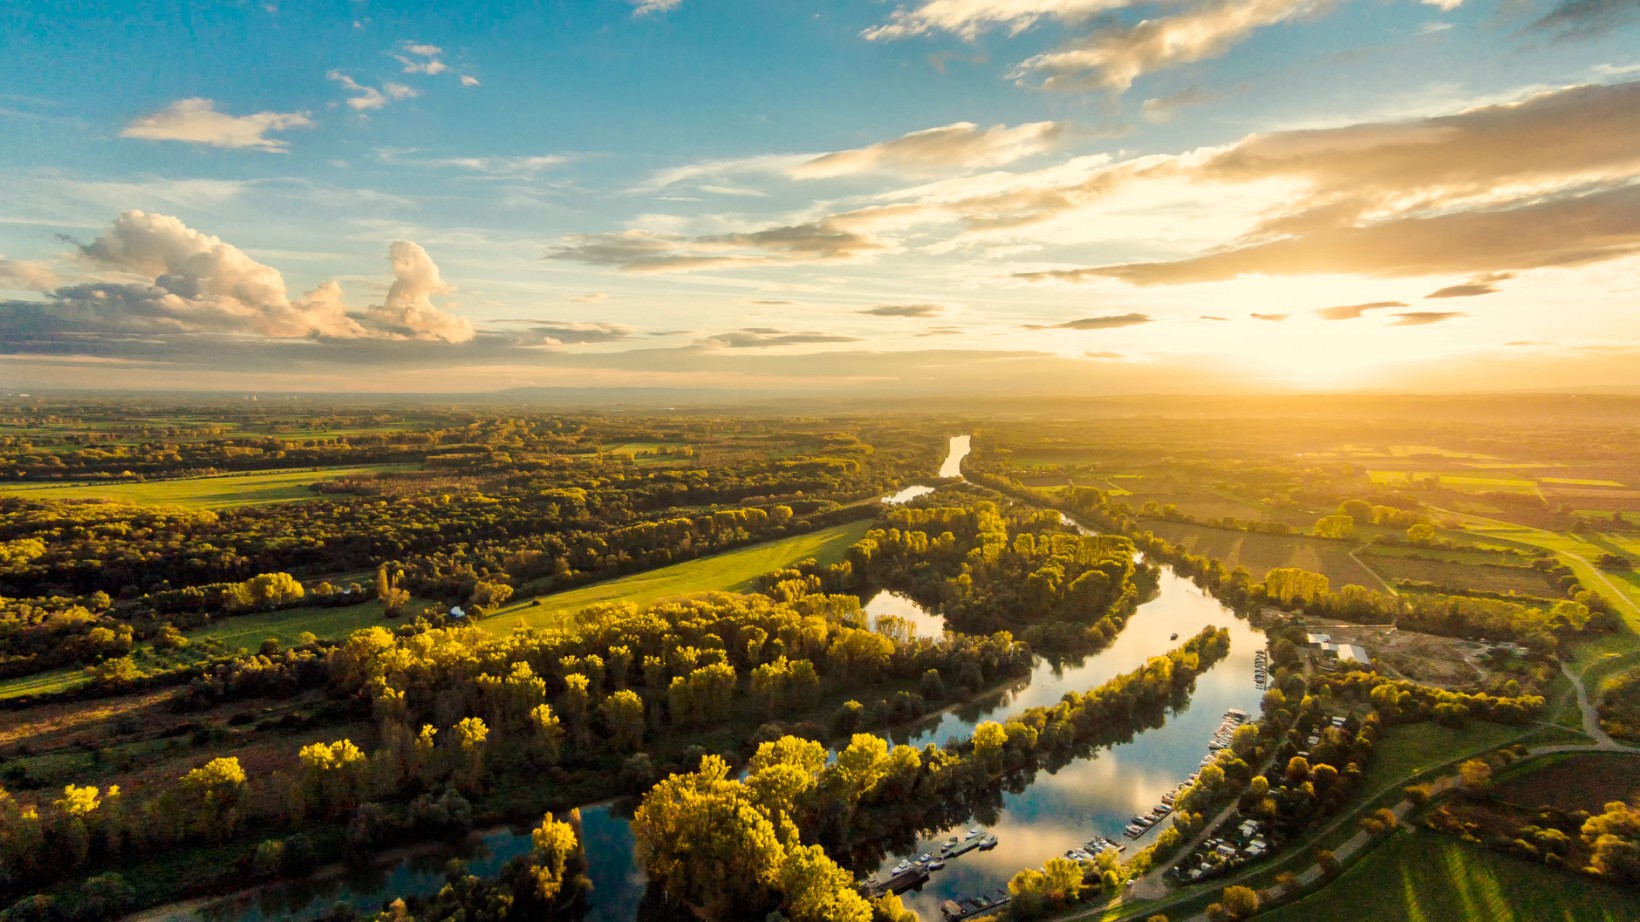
(1055, 813)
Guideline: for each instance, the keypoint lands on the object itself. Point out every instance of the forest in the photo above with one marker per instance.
(750, 733)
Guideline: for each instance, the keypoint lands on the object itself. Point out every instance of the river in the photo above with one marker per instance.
(1056, 812)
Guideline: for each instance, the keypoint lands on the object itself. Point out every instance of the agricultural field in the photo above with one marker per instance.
(216, 492)
(1261, 553)
(1455, 576)
(729, 572)
(1426, 877)
(1571, 782)
(1455, 481)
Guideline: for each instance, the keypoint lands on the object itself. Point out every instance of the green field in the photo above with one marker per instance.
(1260, 553)
(1572, 481)
(1426, 877)
(1577, 552)
(1452, 481)
(1454, 575)
(732, 571)
(202, 492)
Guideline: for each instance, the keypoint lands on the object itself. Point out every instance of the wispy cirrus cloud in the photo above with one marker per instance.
(196, 121)
(1474, 288)
(906, 310)
(653, 7)
(1355, 311)
(962, 145)
(366, 98)
(1106, 322)
(968, 18)
(838, 238)
(420, 58)
(1111, 58)
(1424, 318)
(765, 337)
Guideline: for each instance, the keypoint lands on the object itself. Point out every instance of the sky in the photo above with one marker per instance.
(840, 197)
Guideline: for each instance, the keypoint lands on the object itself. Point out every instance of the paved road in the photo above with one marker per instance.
(1591, 717)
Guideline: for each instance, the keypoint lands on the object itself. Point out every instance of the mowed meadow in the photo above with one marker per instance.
(222, 491)
(729, 572)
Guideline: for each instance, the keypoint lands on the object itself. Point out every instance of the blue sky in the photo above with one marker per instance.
(1032, 195)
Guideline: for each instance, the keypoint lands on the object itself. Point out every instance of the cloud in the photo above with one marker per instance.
(196, 121)
(932, 150)
(1274, 318)
(650, 7)
(764, 337)
(469, 80)
(21, 273)
(195, 284)
(1112, 58)
(1421, 318)
(1472, 192)
(1105, 356)
(827, 240)
(560, 333)
(769, 302)
(1474, 288)
(409, 309)
(1579, 19)
(1107, 322)
(1562, 232)
(967, 18)
(905, 310)
(1214, 317)
(366, 98)
(1354, 311)
(419, 58)
(1161, 109)
(519, 167)
(591, 297)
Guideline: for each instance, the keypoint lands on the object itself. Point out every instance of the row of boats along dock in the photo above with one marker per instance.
(1141, 823)
(910, 874)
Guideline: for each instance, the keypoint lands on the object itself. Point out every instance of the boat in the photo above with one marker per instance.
(936, 864)
(987, 842)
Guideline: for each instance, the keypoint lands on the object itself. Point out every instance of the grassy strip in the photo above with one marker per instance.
(731, 572)
(216, 492)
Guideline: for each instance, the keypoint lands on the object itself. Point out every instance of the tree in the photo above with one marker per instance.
(547, 732)
(707, 841)
(471, 734)
(1240, 902)
(623, 712)
(213, 793)
(817, 890)
(1328, 863)
(1335, 526)
(1421, 533)
(555, 843)
(1474, 775)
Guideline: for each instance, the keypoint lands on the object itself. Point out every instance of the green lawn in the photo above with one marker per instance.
(1426, 877)
(1622, 590)
(731, 571)
(1410, 749)
(201, 492)
(325, 622)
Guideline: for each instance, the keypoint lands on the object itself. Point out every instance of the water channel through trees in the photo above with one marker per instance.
(1056, 812)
